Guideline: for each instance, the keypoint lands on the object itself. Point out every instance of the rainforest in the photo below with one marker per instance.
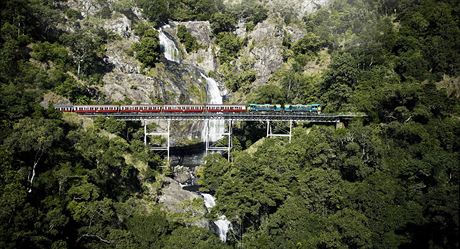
(386, 179)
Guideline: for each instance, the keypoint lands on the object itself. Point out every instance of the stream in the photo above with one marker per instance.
(216, 128)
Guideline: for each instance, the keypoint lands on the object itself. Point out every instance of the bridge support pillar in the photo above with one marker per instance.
(271, 134)
(166, 134)
(211, 148)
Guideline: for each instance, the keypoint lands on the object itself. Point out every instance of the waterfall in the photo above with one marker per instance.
(168, 46)
(222, 223)
(209, 200)
(216, 127)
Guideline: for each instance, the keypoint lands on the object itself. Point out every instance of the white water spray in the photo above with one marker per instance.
(169, 47)
(216, 127)
(222, 223)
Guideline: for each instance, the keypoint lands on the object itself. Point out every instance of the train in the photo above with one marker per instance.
(223, 108)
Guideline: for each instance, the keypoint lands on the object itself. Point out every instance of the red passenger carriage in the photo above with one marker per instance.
(183, 108)
(141, 108)
(95, 108)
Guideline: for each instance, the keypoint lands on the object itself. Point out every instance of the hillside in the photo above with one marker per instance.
(390, 180)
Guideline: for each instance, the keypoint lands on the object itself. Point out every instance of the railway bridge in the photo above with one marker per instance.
(229, 119)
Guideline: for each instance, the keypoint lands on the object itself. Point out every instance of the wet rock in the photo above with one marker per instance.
(184, 206)
(183, 175)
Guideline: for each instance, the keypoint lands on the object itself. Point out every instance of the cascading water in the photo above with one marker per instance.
(222, 223)
(169, 47)
(216, 127)
(171, 53)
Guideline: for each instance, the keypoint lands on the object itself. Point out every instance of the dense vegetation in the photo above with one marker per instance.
(64, 184)
(390, 182)
(385, 182)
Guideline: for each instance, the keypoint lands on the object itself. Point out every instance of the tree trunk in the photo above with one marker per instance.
(32, 177)
(78, 70)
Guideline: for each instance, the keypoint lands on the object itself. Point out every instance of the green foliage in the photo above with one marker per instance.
(229, 46)
(388, 182)
(268, 94)
(160, 11)
(252, 11)
(148, 49)
(187, 39)
(50, 52)
(222, 22)
(111, 125)
(193, 237)
(310, 43)
(86, 47)
(157, 11)
(241, 81)
(148, 229)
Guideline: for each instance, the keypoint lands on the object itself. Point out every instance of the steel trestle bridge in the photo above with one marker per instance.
(243, 116)
(229, 118)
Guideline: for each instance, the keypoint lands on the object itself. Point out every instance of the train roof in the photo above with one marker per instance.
(95, 105)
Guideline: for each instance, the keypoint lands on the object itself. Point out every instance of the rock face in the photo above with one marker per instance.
(121, 25)
(296, 7)
(187, 207)
(265, 49)
(171, 84)
(204, 57)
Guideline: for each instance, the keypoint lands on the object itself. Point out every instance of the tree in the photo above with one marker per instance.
(158, 11)
(187, 39)
(268, 94)
(148, 49)
(148, 230)
(111, 125)
(229, 46)
(222, 22)
(33, 138)
(211, 173)
(310, 43)
(86, 49)
(192, 237)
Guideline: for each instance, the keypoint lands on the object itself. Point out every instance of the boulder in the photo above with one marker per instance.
(183, 206)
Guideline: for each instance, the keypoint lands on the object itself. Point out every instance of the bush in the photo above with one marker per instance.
(222, 22)
(148, 49)
(229, 45)
(187, 39)
(310, 43)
